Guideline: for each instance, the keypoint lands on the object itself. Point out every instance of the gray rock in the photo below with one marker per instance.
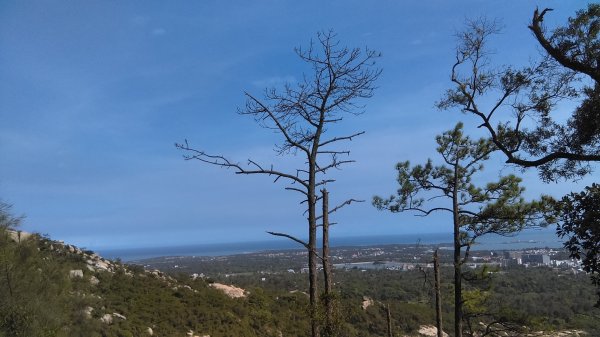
(106, 319)
(88, 312)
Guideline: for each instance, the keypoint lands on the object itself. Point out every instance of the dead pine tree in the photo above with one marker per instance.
(330, 327)
(389, 320)
(327, 274)
(304, 115)
(438, 294)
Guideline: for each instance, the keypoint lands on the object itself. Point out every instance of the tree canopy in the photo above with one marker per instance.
(518, 105)
(580, 215)
(496, 208)
(522, 108)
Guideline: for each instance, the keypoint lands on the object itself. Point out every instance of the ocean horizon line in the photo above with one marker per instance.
(525, 239)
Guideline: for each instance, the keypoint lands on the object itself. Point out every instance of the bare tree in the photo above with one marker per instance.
(327, 267)
(438, 294)
(304, 115)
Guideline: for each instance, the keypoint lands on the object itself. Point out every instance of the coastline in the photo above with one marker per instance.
(525, 239)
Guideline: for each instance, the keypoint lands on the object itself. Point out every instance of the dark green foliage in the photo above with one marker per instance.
(517, 105)
(496, 208)
(580, 224)
(535, 298)
(35, 290)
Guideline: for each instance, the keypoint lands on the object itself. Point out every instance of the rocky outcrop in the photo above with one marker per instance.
(94, 280)
(367, 302)
(191, 334)
(98, 263)
(429, 331)
(87, 312)
(108, 318)
(564, 333)
(231, 291)
(18, 236)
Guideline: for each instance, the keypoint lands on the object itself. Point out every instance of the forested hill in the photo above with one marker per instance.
(53, 289)
(50, 288)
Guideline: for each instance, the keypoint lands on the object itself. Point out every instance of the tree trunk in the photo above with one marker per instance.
(389, 320)
(312, 251)
(457, 259)
(438, 294)
(327, 269)
(7, 271)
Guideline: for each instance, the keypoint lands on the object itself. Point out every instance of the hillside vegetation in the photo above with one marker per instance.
(51, 289)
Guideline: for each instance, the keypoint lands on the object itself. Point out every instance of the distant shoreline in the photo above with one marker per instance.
(526, 239)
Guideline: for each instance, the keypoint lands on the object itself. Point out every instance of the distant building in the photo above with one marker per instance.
(536, 259)
(513, 258)
(511, 254)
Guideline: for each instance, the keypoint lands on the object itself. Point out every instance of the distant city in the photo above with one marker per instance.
(398, 257)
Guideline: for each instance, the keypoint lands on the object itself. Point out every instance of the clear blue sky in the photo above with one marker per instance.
(93, 95)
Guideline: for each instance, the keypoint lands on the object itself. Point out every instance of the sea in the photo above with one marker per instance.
(543, 238)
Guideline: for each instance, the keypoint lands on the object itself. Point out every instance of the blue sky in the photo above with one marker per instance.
(95, 93)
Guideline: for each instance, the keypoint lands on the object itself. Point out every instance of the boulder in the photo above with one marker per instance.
(106, 319)
(18, 236)
(76, 273)
(367, 302)
(94, 281)
(87, 312)
(429, 331)
(103, 265)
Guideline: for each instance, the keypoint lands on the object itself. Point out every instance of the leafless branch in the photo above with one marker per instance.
(293, 238)
(221, 161)
(336, 139)
(338, 207)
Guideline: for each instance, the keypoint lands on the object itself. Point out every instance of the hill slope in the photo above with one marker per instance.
(52, 289)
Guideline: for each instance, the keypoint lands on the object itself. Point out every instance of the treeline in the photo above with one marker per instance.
(537, 299)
